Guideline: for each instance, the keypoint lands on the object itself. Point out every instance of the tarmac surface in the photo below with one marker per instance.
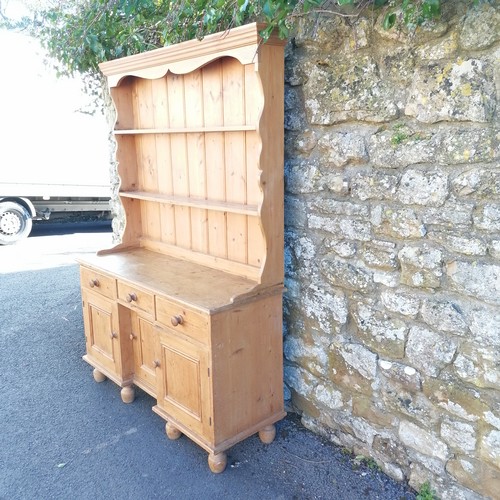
(64, 436)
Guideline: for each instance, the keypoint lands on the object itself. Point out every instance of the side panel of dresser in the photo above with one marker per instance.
(247, 381)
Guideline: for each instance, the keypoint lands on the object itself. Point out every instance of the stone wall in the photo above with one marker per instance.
(392, 313)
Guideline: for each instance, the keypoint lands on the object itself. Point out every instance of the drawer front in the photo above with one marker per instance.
(180, 318)
(136, 297)
(98, 282)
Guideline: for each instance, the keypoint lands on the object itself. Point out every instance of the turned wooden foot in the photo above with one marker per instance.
(217, 463)
(172, 432)
(267, 434)
(128, 394)
(98, 376)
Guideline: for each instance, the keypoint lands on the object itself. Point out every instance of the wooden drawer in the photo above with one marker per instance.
(136, 297)
(98, 282)
(182, 319)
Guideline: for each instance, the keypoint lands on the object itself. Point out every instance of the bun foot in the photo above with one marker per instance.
(217, 463)
(267, 434)
(128, 394)
(172, 432)
(98, 376)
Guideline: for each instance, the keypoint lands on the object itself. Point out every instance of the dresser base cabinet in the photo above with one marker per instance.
(188, 307)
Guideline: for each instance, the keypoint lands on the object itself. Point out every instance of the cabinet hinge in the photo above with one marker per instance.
(208, 371)
(210, 421)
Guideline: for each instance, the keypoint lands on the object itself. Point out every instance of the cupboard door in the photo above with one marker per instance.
(144, 341)
(100, 317)
(184, 382)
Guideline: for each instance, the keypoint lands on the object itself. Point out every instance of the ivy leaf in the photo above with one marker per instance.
(431, 8)
(345, 2)
(389, 20)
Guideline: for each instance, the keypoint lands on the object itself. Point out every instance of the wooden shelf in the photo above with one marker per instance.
(186, 130)
(219, 206)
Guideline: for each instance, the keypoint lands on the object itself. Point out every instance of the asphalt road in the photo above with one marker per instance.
(63, 436)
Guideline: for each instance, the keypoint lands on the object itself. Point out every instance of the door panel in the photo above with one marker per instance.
(101, 331)
(183, 387)
(145, 355)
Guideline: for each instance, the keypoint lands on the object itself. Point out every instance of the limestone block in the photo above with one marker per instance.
(327, 396)
(421, 266)
(402, 403)
(341, 148)
(299, 380)
(476, 279)
(397, 222)
(326, 305)
(347, 376)
(488, 217)
(459, 243)
(490, 448)
(494, 248)
(401, 302)
(386, 278)
(476, 475)
(481, 27)
(348, 88)
(380, 332)
(333, 207)
(295, 212)
(457, 91)
(481, 183)
(391, 450)
(303, 176)
(479, 366)
(379, 254)
(398, 66)
(295, 118)
(423, 187)
(472, 144)
(455, 398)
(484, 323)
(361, 359)
(348, 228)
(309, 355)
(430, 351)
(374, 185)
(346, 275)
(369, 409)
(445, 316)
(459, 435)
(451, 214)
(443, 48)
(402, 146)
(341, 247)
(305, 141)
(404, 375)
(422, 440)
(492, 419)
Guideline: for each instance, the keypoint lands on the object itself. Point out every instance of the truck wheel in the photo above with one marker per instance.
(15, 222)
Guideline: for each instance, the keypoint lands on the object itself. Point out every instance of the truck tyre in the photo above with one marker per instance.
(15, 222)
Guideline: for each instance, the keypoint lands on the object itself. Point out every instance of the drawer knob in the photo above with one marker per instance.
(114, 335)
(93, 283)
(132, 336)
(177, 320)
(156, 363)
(131, 297)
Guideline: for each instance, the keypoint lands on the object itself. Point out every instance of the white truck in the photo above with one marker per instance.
(53, 157)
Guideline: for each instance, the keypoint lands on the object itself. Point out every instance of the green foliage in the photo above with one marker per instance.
(426, 492)
(79, 34)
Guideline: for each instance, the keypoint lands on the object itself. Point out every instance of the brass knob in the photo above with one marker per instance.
(114, 335)
(131, 297)
(132, 336)
(177, 320)
(93, 283)
(156, 363)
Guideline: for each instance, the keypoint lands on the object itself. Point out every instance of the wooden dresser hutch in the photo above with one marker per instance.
(189, 306)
